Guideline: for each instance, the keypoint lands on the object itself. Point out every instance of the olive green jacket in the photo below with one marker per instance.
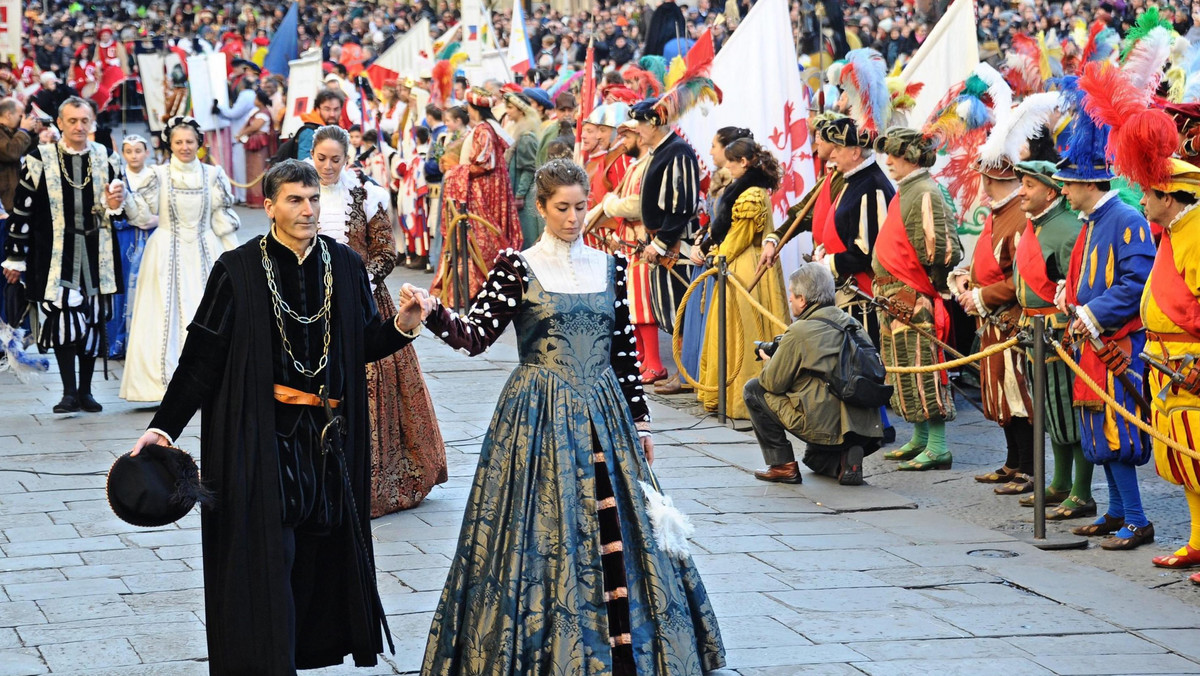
(795, 390)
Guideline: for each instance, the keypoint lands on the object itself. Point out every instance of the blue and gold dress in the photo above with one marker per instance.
(557, 570)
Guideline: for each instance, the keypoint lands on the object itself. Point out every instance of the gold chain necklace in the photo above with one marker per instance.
(87, 179)
(279, 306)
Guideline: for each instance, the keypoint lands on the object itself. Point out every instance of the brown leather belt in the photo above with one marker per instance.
(1172, 337)
(1039, 311)
(289, 395)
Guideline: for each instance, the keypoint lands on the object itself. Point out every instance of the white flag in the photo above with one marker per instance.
(944, 59)
(10, 30)
(758, 75)
(304, 79)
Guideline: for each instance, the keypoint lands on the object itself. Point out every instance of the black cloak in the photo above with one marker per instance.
(249, 597)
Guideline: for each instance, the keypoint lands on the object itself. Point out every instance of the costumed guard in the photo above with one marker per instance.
(61, 239)
(624, 206)
(1170, 311)
(852, 224)
(918, 243)
(607, 162)
(1043, 255)
(1109, 266)
(1171, 314)
(672, 177)
(289, 576)
(987, 292)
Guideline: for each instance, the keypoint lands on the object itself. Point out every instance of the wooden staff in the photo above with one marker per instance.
(793, 229)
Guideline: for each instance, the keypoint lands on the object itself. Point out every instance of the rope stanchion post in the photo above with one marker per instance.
(1039, 427)
(462, 265)
(722, 338)
(1038, 419)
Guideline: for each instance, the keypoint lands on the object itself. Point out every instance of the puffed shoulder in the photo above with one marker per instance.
(751, 203)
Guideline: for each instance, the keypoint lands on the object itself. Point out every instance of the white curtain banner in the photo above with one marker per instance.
(944, 59)
(758, 74)
(303, 81)
(10, 30)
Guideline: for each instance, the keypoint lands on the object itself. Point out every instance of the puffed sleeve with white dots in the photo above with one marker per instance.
(624, 350)
(493, 308)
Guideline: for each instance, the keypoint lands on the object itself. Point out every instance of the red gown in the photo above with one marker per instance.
(479, 186)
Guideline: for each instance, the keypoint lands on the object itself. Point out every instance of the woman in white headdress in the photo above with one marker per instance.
(194, 205)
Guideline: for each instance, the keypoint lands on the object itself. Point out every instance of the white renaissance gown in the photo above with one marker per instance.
(194, 205)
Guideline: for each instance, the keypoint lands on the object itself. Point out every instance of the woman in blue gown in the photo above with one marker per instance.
(557, 569)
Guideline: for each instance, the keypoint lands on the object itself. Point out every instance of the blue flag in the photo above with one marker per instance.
(285, 45)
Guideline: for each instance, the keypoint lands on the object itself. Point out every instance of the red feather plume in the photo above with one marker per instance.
(1141, 139)
(1090, 47)
(642, 82)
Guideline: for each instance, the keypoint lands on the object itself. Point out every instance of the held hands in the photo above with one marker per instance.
(148, 439)
(415, 306)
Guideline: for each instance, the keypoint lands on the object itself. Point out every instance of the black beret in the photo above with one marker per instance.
(646, 111)
(158, 486)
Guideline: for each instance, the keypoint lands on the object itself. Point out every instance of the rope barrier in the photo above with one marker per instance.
(251, 184)
(1121, 410)
(955, 363)
(739, 337)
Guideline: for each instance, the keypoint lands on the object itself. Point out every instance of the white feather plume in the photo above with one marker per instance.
(998, 89)
(671, 527)
(1144, 66)
(1016, 126)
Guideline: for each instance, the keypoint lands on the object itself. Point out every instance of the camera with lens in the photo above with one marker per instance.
(767, 346)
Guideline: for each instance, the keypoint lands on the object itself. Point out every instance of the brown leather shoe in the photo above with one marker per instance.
(672, 385)
(1139, 537)
(1111, 524)
(787, 473)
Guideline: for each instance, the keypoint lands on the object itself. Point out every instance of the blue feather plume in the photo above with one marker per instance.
(1083, 144)
(864, 78)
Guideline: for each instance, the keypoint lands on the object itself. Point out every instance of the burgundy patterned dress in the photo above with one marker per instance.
(408, 456)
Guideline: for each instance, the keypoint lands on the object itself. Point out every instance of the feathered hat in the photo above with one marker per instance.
(693, 88)
(902, 98)
(864, 80)
(960, 124)
(1146, 23)
(1014, 128)
(1102, 42)
(1083, 144)
(1039, 170)
(1141, 139)
(641, 82)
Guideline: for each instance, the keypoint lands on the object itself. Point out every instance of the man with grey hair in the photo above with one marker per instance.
(791, 393)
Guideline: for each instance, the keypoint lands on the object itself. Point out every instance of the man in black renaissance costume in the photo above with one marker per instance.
(858, 211)
(289, 578)
(61, 240)
(670, 206)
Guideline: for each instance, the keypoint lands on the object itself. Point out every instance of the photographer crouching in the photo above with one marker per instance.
(804, 386)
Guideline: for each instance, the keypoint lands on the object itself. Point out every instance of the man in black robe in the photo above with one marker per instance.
(289, 577)
(670, 199)
(61, 240)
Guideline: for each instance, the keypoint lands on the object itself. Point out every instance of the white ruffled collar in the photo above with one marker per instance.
(567, 267)
(185, 167)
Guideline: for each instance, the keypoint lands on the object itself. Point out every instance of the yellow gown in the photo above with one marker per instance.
(742, 248)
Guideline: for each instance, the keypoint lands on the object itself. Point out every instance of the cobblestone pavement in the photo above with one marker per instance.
(810, 579)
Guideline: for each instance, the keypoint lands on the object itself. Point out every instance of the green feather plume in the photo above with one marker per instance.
(1148, 21)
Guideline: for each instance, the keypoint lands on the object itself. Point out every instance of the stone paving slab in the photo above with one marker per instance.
(890, 578)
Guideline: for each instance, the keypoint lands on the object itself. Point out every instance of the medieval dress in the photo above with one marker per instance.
(289, 578)
(194, 204)
(479, 186)
(408, 457)
(557, 570)
(1109, 267)
(131, 239)
(917, 246)
(745, 214)
(60, 236)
